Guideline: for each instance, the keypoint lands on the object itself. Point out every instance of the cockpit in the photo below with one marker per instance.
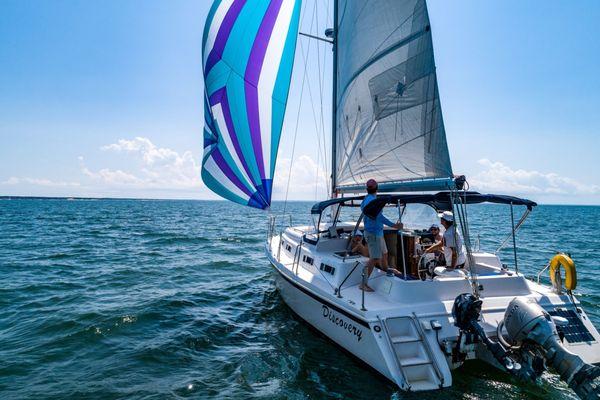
(336, 221)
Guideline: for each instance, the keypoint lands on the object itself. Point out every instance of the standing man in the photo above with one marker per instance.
(451, 243)
(374, 234)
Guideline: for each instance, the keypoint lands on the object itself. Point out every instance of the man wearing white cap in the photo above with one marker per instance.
(451, 243)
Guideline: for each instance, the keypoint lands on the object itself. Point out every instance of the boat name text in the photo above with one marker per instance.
(341, 322)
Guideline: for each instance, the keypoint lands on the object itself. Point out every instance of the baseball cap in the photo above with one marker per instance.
(447, 216)
(371, 184)
(358, 233)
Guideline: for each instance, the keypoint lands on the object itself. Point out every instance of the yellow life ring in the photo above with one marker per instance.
(565, 261)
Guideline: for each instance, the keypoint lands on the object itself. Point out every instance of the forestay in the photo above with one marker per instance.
(248, 53)
(389, 122)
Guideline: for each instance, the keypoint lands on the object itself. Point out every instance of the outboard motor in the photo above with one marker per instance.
(466, 312)
(528, 325)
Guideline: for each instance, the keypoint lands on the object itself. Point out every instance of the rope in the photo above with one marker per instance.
(287, 189)
(457, 209)
(321, 86)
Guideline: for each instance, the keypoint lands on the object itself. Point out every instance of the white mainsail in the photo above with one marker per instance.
(388, 119)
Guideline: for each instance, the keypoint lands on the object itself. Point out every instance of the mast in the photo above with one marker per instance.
(334, 99)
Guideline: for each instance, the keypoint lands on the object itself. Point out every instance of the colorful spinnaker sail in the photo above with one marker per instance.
(248, 54)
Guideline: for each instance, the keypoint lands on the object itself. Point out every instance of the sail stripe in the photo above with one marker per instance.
(268, 79)
(220, 161)
(213, 22)
(220, 97)
(221, 39)
(280, 90)
(211, 167)
(223, 119)
(252, 75)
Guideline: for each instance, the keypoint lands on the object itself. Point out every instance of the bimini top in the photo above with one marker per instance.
(440, 201)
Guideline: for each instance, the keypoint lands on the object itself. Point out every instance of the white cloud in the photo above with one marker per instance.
(499, 177)
(308, 181)
(13, 180)
(160, 168)
(164, 168)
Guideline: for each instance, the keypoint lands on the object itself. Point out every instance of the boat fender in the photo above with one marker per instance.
(561, 259)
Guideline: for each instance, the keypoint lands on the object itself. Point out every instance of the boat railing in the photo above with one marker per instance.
(539, 275)
(276, 224)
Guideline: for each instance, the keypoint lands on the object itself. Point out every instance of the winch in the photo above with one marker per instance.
(533, 343)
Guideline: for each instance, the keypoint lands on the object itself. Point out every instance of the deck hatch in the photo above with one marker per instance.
(574, 331)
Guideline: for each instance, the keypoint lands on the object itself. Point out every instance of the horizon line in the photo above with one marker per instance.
(25, 197)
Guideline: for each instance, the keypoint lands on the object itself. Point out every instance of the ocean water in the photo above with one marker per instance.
(174, 299)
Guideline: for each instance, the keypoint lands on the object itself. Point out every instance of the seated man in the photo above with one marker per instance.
(358, 245)
(452, 243)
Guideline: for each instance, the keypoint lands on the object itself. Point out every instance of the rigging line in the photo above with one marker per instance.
(321, 85)
(318, 131)
(316, 128)
(317, 174)
(287, 189)
(321, 70)
(314, 113)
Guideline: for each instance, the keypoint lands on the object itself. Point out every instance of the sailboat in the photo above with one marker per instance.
(427, 320)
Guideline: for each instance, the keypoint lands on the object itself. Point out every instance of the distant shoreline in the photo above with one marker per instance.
(215, 200)
(122, 198)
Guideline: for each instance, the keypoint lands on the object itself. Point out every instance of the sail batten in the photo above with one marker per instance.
(248, 52)
(388, 121)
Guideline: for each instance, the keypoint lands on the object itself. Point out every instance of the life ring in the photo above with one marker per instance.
(565, 261)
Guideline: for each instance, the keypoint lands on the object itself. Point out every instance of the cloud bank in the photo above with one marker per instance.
(307, 181)
(148, 170)
(13, 180)
(158, 167)
(498, 177)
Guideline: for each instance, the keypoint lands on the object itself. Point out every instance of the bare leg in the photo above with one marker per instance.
(370, 266)
(384, 262)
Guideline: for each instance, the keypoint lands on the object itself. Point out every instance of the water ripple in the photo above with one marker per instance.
(174, 299)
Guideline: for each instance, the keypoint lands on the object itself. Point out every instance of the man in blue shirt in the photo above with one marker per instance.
(374, 234)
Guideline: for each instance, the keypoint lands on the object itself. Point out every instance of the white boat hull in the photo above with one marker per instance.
(351, 333)
(406, 330)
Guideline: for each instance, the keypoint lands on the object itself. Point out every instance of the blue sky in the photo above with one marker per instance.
(105, 98)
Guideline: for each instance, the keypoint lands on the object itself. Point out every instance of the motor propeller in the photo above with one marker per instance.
(528, 324)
